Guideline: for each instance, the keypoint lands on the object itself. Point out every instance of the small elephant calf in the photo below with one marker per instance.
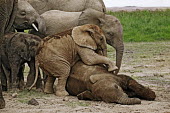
(58, 53)
(17, 49)
(96, 83)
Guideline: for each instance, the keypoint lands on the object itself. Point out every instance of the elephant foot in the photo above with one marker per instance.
(48, 90)
(21, 85)
(61, 93)
(2, 103)
(112, 68)
(4, 88)
(141, 91)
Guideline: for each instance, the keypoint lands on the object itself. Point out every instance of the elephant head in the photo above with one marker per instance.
(27, 45)
(113, 31)
(111, 27)
(112, 91)
(90, 36)
(28, 18)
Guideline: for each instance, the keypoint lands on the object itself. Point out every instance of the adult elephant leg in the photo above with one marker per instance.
(49, 84)
(3, 79)
(2, 101)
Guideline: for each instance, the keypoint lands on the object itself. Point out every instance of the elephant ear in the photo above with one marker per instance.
(82, 36)
(90, 16)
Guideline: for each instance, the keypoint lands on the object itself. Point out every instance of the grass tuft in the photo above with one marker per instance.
(144, 26)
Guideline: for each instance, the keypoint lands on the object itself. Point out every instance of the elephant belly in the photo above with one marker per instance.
(75, 86)
(59, 21)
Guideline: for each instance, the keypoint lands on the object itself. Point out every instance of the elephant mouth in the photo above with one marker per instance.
(26, 25)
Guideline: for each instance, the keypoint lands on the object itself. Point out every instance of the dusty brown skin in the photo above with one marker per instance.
(96, 83)
(58, 53)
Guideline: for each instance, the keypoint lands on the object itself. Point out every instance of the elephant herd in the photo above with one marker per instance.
(67, 40)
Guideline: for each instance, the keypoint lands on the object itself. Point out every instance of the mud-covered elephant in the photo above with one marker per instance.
(58, 53)
(8, 10)
(96, 83)
(28, 18)
(59, 21)
(17, 49)
(42, 6)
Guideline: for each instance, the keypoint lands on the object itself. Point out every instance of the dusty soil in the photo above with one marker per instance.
(148, 63)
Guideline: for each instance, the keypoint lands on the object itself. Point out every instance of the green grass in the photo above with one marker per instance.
(145, 26)
(77, 103)
(32, 93)
(25, 95)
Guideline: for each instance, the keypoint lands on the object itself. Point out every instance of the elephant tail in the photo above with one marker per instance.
(36, 75)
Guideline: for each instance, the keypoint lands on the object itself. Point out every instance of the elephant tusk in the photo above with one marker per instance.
(33, 25)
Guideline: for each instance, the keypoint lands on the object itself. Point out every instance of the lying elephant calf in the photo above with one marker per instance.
(96, 83)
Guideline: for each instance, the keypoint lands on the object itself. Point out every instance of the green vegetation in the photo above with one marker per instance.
(25, 95)
(145, 26)
(78, 103)
(32, 93)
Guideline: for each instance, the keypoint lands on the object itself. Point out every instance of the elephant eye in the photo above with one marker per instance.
(101, 39)
(111, 34)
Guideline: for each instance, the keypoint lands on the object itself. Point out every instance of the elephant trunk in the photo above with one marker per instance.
(128, 101)
(105, 52)
(119, 56)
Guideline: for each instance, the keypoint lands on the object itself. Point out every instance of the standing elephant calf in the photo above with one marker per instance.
(58, 53)
(17, 49)
(58, 21)
(96, 83)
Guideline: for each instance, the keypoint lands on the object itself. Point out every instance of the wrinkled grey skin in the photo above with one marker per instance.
(26, 16)
(59, 21)
(17, 49)
(42, 6)
(7, 14)
(96, 83)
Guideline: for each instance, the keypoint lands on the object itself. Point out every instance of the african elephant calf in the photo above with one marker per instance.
(58, 53)
(96, 83)
(17, 49)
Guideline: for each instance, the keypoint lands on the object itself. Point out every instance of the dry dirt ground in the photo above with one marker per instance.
(148, 63)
